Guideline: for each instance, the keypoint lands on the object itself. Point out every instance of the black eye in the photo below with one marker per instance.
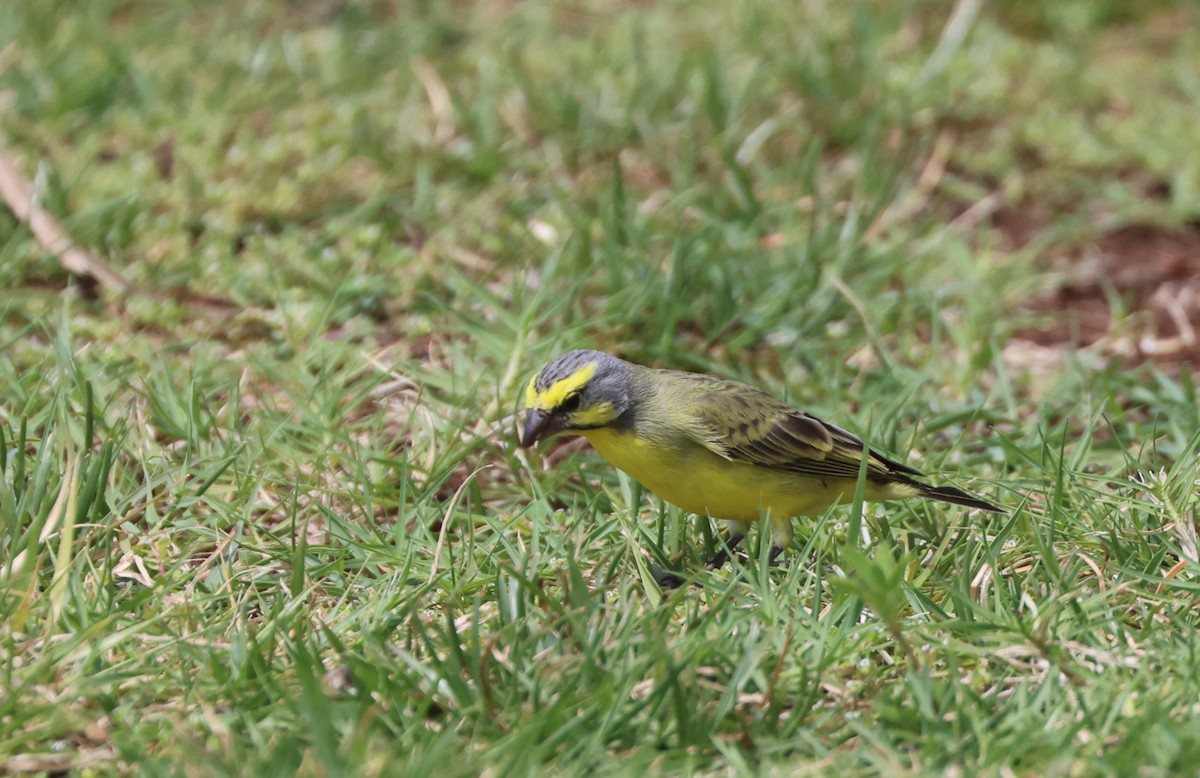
(571, 404)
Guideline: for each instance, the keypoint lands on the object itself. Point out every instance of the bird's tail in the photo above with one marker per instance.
(956, 496)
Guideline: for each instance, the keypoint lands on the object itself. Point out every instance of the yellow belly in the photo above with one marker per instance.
(699, 481)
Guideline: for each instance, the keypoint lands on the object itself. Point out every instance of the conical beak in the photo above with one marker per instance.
(538, 425)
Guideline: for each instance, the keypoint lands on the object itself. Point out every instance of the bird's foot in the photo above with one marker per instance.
(717, 560)
(667, 579)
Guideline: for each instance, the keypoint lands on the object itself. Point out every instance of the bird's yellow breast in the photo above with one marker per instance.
(699, 481)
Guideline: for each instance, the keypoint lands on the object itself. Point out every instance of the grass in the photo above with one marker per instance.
(264, 515)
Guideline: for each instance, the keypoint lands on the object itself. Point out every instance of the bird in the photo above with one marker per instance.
(715, 447)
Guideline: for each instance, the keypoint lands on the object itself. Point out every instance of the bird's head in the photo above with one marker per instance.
(576, 391)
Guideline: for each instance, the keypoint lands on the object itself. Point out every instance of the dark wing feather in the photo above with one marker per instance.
(743, 424)
(849, 442)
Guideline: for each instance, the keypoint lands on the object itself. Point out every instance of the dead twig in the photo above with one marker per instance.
(18, 194)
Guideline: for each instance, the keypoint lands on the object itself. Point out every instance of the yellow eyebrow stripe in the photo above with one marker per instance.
(531, 392)
(553, 396)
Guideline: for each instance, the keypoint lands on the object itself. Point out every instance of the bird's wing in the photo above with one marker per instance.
(743, 424)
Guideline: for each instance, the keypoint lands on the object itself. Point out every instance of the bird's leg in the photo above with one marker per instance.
(728, 544)
(737, 531)
(781, 536)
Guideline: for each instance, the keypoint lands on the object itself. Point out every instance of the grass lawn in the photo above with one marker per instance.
(261, 508)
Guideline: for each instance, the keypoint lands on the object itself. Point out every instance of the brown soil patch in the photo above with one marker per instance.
(1150, 276)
